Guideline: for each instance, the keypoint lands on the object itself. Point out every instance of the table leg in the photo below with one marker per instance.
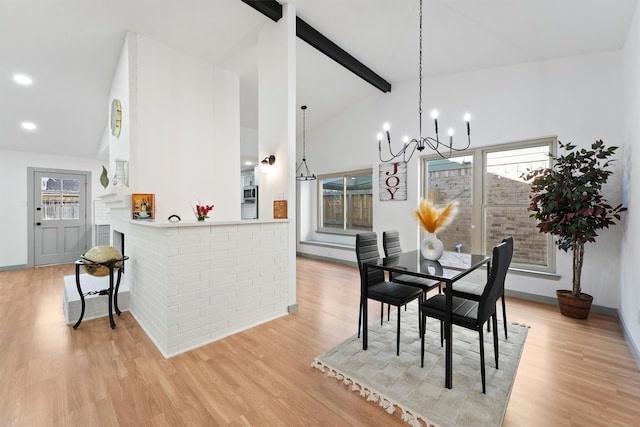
(448, 319)
(115, 294)
(81, 296)
(111, 322)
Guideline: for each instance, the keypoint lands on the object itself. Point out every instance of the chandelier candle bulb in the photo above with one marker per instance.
(467, 118)
(450, 136)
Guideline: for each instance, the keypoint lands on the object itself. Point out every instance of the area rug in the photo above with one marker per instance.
(398, 382)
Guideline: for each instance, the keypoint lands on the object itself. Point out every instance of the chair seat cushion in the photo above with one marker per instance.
(465, 312)
(393, 293)
(421, 282)
(470, 290)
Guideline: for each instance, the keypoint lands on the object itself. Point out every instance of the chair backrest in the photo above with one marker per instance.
(367, 250)
(391, 243)
(493, 289)
(509, 242)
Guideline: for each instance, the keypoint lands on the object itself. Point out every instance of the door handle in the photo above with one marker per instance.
(37, 223)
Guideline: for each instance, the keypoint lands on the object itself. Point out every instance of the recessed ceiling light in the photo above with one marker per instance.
(22, 79)
(248, 163)
(28, 126)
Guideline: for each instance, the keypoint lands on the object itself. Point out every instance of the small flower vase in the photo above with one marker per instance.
(431, 247)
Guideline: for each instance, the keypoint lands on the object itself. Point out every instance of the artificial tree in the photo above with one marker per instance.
(568, 203)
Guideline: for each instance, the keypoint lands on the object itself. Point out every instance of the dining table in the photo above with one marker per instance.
(451, 267)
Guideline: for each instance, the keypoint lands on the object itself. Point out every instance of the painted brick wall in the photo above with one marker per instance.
(192, 285)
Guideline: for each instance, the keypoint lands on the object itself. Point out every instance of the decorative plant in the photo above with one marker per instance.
(433, 219)
(201, 211)
(568, 203)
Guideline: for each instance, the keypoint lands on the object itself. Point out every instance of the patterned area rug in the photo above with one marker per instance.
(398, 382)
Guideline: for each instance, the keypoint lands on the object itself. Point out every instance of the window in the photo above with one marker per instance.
(346, 202)
(60, 198)
(492, 200)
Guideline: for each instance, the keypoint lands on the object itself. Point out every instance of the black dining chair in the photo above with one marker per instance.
(391, 246)
(472, 314)
(473, 290)
(377, 287)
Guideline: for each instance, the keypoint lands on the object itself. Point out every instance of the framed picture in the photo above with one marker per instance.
(393, 181)
(143, 206)
(279, 209)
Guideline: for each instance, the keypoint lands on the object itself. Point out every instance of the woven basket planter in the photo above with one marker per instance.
(575, 307)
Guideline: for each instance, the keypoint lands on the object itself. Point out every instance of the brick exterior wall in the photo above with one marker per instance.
(530, 246)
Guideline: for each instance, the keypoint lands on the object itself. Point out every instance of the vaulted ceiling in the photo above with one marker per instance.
(70, 49)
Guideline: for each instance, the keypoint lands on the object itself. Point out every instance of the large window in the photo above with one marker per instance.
(346, 203)
(492, 200)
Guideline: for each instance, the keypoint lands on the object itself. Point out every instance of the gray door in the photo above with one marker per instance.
(60, 217)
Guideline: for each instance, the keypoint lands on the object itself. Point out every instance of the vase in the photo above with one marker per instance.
(431, 247)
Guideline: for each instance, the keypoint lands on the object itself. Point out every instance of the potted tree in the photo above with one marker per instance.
(568, 203)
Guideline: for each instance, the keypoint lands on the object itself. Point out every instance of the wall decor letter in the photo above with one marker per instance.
(393, 181)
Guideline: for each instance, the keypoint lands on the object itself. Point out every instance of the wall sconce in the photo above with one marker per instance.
(266, 162)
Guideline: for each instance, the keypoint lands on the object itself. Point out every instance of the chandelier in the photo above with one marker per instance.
(444, 148)
(305, 175)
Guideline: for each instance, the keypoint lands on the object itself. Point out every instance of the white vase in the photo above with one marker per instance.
(431, 247)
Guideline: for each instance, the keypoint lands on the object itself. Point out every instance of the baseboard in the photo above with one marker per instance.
(14, 267)
(635, 351)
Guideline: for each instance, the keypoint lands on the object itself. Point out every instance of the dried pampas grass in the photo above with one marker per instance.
(434, 219)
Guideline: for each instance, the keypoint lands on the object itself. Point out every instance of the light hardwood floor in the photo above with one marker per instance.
(572, 373)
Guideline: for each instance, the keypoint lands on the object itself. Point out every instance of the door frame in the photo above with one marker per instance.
(31, 244)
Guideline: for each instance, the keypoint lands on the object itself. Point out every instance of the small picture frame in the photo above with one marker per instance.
(279, 209)
(143, 207)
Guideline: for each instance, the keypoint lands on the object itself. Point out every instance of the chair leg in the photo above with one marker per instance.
(360, 318)
(504, 315)
(388, 312)
(484, 388)
(382, 313)
(442, 334)
(398, 334)
(495, 337)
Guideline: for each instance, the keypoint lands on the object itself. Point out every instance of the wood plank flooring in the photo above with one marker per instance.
(572, 373)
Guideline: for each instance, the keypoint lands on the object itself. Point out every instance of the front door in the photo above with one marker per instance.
(60, 217)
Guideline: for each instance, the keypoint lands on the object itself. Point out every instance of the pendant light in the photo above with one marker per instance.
(303, 174)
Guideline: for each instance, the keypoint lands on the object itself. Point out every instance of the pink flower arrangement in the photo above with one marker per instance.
(201, 211)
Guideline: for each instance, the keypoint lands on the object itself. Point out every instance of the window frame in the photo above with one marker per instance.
(479, 205)
(344, 176)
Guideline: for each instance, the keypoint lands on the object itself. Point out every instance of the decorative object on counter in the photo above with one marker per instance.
(393, 181)
(433, 219)
(143, 206)
(104, 178)
(121, 177)
(174, 218)
(305, 175)
(201, 211)
(279, 209)
(95, 259)
(444, 149)
(568, 202)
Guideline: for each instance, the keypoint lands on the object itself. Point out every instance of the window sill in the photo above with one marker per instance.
(344, 246)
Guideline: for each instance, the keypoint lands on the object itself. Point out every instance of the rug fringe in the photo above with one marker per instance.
(389, 405)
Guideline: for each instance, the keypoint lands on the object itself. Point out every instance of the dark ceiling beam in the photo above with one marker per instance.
(269, 8)
(312, 36)
(273, 10)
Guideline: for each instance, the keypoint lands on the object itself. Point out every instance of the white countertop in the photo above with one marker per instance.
(194, 223)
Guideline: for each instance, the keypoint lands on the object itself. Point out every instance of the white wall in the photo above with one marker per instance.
(629, 285)
(579, 99)
(13, 193)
